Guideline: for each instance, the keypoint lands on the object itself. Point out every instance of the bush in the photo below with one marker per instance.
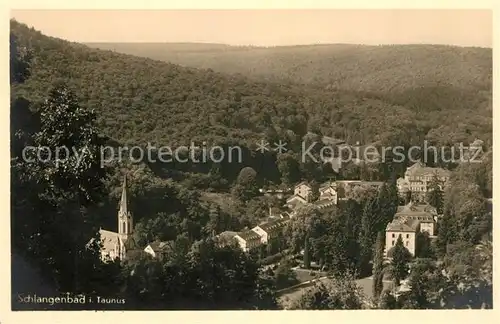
(271, 259)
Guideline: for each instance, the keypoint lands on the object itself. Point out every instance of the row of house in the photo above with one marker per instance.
(329, 193)
(302, 192)
(259, 235)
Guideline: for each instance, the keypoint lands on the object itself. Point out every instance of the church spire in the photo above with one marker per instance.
(125, 219)
(123, 201)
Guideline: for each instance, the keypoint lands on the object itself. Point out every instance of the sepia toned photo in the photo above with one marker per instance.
(251, 159)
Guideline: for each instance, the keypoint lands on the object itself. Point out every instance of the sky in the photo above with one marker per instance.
(267, 27)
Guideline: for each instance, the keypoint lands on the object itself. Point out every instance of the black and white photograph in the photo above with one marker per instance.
(333, 159)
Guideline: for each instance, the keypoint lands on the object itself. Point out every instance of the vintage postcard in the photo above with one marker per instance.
(306, 159)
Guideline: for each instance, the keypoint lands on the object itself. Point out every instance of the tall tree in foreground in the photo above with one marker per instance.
(378, 266)
(400, 260)
(54, 226)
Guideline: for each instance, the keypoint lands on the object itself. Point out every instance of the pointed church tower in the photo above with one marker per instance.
(125, 219)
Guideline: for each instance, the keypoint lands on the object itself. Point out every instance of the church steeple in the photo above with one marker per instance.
(123, 201)
(125, 220)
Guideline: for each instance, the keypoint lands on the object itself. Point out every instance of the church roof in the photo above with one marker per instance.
(109, 239)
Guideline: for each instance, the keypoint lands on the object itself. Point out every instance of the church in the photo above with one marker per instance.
(113, 243)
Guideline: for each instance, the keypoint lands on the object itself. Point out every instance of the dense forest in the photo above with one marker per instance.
(68, 94)
(434, 79)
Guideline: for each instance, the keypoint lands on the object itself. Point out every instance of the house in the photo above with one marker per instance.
(328, 191)
(113, 243)
(248, 240)
(406, 229)
(423, 213)
(294, 201)
(270, 230)
(418, 178)
(407, 222)
(226, 238)
(159, 249)
(302, 190)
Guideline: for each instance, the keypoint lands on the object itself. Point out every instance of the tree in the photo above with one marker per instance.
(425, 281)
(435, 194)
(400, 260)
(378, 266)
(423, 248)
(366, 237)
(58, 190)
(388, 301)
(314, 194)
(307, 252)
(246, 186)
(288, 167)
(284, 276)
(338, 293)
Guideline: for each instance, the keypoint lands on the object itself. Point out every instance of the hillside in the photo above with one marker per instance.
(415, 75)
(140, 100)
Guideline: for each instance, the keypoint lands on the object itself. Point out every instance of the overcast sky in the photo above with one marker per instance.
(266, 27)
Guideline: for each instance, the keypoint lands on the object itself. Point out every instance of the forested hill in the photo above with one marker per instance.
(419, 75)
(141, 100)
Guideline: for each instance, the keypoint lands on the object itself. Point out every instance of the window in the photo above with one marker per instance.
(123, 228)
(407, 235)
(393, 235)
(392, 242)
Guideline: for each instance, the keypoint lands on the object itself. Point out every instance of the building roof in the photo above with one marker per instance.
(327, 185)
(249, 235)
(295, 198)
(302, 183)
(109, 239)
(328, 194)
(324, 203)
(327, 140)
(159, 246)
(416, 210)
(418, 169)
(273, 225)
(398, 225)
(227, 235)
